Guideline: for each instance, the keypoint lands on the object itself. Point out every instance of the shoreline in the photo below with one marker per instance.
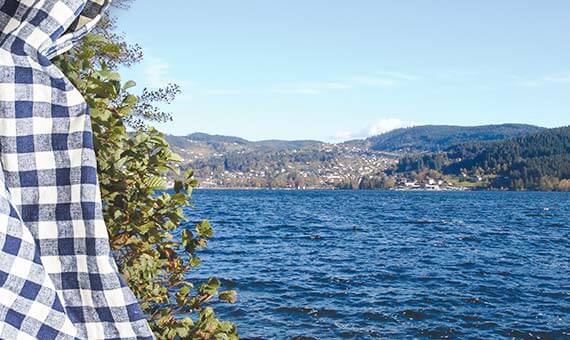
(395, 190)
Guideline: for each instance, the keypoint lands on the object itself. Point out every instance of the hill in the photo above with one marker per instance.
(224, 161)
(539, 161)
(431, 138)
(220, 142)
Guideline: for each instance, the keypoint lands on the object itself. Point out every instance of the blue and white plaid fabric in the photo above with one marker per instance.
(58, 279)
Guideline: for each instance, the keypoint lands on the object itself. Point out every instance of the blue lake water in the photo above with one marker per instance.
(371, 264)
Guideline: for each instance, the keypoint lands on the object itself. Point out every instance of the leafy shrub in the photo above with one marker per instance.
(135, 167)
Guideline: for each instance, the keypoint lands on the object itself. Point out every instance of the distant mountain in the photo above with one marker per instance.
(226, 161)
(440, 137)
(276, 144)
(539, 161)
(414, 139)
(204, 137)
(220, 141)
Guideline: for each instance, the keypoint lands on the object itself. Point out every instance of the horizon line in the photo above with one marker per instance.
(362, 138)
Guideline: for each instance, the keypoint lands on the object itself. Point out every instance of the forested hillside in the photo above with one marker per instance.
(220, 142)
(539, 161)
(226, 161)
(223, 161)
(439, 137)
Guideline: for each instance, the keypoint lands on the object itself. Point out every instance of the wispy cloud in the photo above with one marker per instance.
(399, 75)
(384, 79)
(387, 125)
(545, 81)
(374, 81)
(377, 128)
(156, 72)
(378, 79)
(222, 92)
(455, 75)
(312, 88)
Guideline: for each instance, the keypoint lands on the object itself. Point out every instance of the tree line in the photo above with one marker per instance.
(539, 161)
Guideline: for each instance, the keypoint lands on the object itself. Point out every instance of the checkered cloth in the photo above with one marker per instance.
(58, 279)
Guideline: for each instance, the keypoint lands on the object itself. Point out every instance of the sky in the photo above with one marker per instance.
(336, 69)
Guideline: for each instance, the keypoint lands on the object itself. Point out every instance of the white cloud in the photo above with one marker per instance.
(301, 88)
(374, 81)
(342, 136)
(544, 81)
(379, 127)
(399, 75)
(156, 73)
(387, 125)
(380, 79)
(312, 88)
(565, 79)
(221, 92)
(384, 79)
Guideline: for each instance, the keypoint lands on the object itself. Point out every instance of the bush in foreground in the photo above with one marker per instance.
(133, 168)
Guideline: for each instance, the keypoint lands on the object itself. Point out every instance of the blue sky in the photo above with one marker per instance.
(338, 69)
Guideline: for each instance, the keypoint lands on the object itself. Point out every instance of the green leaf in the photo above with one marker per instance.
(174, 157)
(195, 262)
(156, 183)
(204, 229)
(183, 332)
(131, 100)
(129, 84)
(110, 75)
(229, 296)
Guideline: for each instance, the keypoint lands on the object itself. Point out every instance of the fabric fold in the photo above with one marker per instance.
(55, 250)
(29, 303)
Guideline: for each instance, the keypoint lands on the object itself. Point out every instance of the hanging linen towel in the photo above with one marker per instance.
(58, 279)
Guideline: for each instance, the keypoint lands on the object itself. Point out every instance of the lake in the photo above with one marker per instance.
(373, 264)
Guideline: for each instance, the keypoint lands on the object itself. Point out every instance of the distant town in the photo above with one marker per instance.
(319, 166)
(432, 158)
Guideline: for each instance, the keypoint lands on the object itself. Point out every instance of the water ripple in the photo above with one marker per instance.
(321, 265)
